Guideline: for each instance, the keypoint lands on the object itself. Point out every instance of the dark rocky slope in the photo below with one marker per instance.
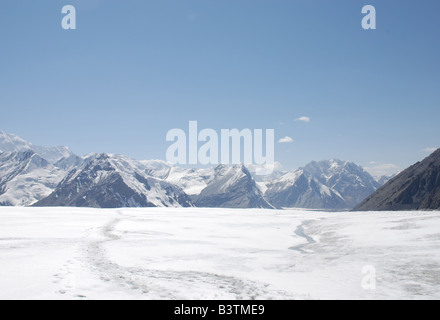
(416, 188)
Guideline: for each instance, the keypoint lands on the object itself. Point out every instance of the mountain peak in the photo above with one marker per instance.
(231, 187)
(101, 157)
(25, 178)
(328, 184)
(12, 143)
(435, 156)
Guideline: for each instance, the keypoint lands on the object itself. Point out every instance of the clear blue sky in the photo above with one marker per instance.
(135, 69)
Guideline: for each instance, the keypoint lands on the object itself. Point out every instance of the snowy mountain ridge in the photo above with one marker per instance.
(26, 178)
(106, 180)
(331, 184)
(13, 143)
(109, 181)
(232, 187)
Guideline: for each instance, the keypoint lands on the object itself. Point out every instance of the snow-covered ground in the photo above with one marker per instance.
(71, 253)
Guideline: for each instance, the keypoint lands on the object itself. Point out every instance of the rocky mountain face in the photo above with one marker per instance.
(332, 184)
(416, 188)
(231, 187)
(26, 178)
(106, 181)
(301, 190)
(350, 180)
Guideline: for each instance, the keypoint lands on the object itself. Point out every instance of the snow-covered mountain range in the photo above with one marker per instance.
(25, 178)
(12, 143)
(108, 181)
(42, 176)
(332, 184)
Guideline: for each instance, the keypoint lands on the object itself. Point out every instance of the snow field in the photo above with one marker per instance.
(73, 253)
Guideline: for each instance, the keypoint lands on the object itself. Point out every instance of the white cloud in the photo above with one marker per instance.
(303, 119)
(379, 170)
(286, 140)
(430, 150)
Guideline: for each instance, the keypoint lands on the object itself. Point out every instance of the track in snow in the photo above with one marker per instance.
(155, 284)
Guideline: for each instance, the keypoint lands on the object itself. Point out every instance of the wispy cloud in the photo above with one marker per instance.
(286, 140)
(304, 119)
(430, 150)
(379, 170)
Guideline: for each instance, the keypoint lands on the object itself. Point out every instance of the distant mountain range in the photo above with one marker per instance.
(105, 181)
(25, 178)
(12, 143)
(41, 176)
(416, 188)
(329, 184)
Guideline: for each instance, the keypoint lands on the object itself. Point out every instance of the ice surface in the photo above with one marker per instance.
(73, 253)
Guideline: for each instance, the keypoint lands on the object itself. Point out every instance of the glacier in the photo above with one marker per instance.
(194, 253)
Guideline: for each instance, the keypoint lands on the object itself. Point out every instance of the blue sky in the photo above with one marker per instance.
(135, 69)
